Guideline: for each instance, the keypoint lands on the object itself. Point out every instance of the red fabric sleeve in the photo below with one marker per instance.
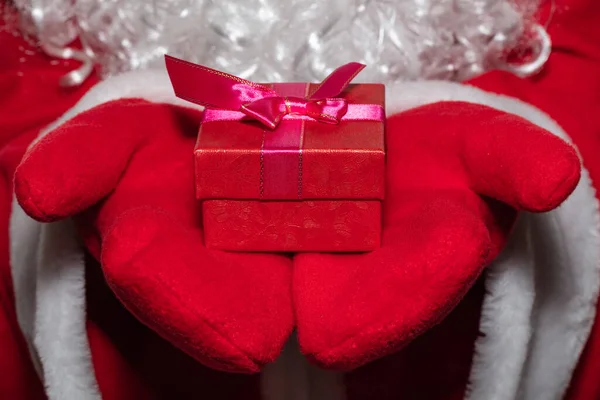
(29, 99)
(569, 91)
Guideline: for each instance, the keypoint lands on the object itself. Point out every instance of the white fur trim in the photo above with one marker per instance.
(24, 234)
(60, 278)
(566, 278)
(535, 324)
(500, 355)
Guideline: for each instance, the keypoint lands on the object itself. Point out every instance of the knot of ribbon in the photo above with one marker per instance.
(270, 110)
(216, 89)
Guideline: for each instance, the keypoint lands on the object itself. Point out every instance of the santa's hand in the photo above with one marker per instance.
(125, 169)
(457, 173)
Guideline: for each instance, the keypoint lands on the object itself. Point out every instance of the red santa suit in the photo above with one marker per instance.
(116, 297)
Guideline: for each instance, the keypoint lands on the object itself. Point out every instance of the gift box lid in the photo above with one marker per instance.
(244, 160)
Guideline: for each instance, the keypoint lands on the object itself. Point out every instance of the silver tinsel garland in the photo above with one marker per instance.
(277, 40)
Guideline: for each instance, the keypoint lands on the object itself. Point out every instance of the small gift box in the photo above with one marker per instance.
(287, 166)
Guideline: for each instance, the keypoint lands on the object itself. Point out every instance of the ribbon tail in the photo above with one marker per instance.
(337, 81)
(212, 88)
(330, 111)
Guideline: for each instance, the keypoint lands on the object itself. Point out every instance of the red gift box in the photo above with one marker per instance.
(297, 180)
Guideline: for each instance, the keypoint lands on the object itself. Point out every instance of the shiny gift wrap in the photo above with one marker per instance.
(298, 166)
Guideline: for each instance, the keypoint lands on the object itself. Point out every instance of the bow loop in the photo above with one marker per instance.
(271, 110)
(268, 110)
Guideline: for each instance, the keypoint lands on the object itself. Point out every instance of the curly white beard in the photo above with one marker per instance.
(275, 40)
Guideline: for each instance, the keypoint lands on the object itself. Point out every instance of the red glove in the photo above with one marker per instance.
(233, 311)
(134, 159)
(457, 173)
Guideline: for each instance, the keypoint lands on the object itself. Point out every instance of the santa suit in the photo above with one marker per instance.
(523, 327)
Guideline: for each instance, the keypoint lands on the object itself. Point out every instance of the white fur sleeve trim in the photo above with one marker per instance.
(537, 313)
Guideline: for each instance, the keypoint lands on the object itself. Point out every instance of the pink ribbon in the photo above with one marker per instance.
(216, 89)
(230, 98)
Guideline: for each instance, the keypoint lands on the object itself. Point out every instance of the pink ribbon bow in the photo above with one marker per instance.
(216, 89)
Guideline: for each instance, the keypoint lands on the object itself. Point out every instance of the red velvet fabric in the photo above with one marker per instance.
(445, 162)
(231, 311)
(434, 366)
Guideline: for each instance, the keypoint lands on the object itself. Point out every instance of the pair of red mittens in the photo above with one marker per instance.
(457, 173)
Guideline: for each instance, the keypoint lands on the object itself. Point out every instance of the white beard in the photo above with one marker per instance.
(275, 40)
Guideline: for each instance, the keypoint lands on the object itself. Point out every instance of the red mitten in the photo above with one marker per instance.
(457, 173)
(125, 168)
